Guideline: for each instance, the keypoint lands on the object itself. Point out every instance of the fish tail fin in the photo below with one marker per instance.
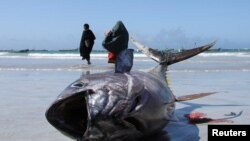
(168, 57)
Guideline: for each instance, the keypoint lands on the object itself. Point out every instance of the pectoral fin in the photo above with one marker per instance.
(193, 96)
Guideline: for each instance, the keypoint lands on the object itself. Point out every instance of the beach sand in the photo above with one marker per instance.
(27, 90)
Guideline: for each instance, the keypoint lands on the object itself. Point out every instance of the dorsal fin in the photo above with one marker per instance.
(168, 58)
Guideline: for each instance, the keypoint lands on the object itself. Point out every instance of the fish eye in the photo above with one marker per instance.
(79, 84)
(105, 89)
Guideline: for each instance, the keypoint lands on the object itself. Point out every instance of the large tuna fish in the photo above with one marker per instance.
(120, 106)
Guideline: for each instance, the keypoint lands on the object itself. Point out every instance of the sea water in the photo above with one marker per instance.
(30, 82)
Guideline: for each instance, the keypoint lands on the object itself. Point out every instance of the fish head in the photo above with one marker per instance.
(68, 113)
(94, 98)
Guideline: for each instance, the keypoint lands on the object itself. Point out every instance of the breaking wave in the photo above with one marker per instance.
(225, 54)
(74, 55)
(57, 55)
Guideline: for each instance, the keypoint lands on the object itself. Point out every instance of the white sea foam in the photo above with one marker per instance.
(101, 70)
(218, 54)
(59, 55)
(53, 56)
(3, 53)
(45, 69)
(210, 70)
(56, 55)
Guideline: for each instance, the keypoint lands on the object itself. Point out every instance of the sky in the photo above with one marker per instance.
(161, 24)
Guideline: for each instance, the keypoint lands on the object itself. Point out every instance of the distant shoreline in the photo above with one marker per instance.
(105, 51)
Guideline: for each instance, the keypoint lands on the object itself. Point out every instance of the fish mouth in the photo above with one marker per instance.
(70, 115)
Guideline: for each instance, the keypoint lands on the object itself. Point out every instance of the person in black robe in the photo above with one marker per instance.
(87, 43)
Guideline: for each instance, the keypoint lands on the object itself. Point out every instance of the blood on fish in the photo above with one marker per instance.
(198, 117)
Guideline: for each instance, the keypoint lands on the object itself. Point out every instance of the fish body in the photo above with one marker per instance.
(110, 106)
